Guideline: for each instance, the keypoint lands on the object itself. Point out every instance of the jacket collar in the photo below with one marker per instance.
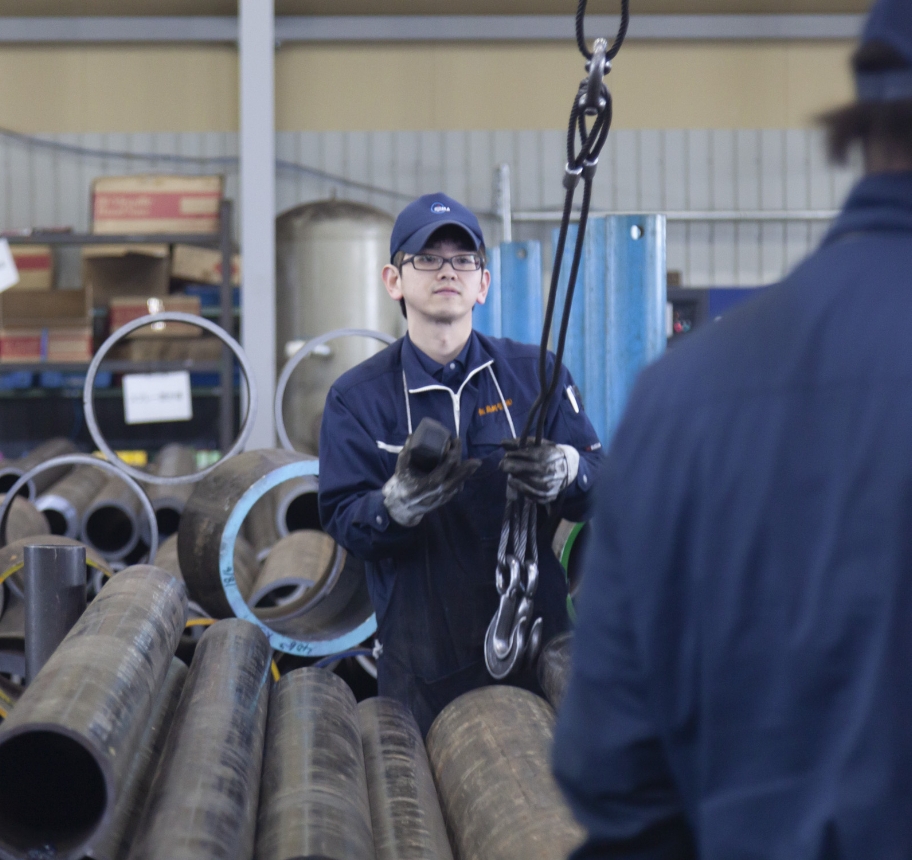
(881, 202)
(416, 365)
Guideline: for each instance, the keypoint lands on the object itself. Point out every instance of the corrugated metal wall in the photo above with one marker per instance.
(648, 171)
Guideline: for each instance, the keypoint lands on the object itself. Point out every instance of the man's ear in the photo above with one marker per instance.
(392, 280)
(485, 284)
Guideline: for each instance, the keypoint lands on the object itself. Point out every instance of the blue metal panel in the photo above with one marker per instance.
(521, 291)
(487, 318)
(617, 324)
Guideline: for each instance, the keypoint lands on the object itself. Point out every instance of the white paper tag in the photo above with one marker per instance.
(9, 274)
(156, 397)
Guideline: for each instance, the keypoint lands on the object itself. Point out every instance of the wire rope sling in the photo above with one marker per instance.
(513, 638)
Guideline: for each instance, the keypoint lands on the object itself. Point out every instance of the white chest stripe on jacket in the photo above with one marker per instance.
(455, 396)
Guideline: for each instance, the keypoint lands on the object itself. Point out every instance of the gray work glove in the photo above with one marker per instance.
(411, 493)
(540, 472)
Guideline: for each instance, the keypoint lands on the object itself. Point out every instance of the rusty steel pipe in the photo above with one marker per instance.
(554, 668)
(211, 522)
(260, 526)
(12, 470)
(25, 520)
(405, 811)
(114, 842)
(65, 502)
(313, 801)
(110, 524)
(489, 752)
(296, 506)
(203, 799)
(66, 749)
(169, 500)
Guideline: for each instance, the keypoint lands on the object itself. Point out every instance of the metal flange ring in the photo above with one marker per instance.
(82, 460)
(302, 646)
(168, 316)
(299, 356)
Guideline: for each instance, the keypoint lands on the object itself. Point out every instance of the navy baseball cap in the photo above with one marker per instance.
(422, 217)
(889, 22)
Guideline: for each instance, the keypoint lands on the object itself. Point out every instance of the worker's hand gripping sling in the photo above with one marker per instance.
(512, 636)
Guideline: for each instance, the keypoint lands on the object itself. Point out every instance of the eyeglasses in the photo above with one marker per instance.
(434, 262)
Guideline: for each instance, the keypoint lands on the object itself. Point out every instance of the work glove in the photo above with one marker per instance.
(411, 493)
(540, 472)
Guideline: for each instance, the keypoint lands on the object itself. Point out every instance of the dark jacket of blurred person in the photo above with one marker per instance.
(742, 677)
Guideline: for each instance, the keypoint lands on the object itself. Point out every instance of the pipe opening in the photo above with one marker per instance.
(109, 529)
(303, 513)
(57, 521)
(168, 520)
(6, 484)
(52, 795)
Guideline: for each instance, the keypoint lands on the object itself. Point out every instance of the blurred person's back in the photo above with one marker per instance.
(742, 682)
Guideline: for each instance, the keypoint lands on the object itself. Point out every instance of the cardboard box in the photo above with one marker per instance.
(202, 265)
(109, 271)
(205, 348)
(54, 345)
(156, 204)
(125, 309)
(45, 308)
(36, 266)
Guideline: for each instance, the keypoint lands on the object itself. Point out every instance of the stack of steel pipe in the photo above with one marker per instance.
(12, 470)
(296, 505)
(65, 502)
(169, 500)
(68, 746)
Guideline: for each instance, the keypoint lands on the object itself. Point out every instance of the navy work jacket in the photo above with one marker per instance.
(432, 586)
(742, 679)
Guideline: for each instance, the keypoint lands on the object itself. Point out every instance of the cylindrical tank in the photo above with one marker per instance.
(329, 257)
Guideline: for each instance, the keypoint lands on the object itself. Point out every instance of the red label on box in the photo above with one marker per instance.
(32, 262)
(170, 204)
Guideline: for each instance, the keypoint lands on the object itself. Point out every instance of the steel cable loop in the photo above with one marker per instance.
(88, 391)
(519, 529)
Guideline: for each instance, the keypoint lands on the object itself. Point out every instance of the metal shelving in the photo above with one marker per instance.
(226, 315)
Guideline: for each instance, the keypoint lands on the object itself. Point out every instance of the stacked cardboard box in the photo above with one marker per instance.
(36, 266)
(45, 325)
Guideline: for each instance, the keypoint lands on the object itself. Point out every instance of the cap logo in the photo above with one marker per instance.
(439, 208)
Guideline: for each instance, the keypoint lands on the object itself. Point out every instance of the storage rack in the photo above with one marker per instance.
(222, 240)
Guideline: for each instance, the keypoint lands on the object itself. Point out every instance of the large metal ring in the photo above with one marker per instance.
(83, 460)
(122, 332)
(278, 641)
(299, 356)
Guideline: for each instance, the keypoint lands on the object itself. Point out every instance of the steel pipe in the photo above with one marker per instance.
(65, 502)
(55, 598)
(25, 520)
(114, 843)
(405, 811)
(554, 666)
(314, 800)
(203, 798)
(302, 568)
(12, 636)
(489, 752)
(296, 506)
(209, 528)
(245, 565)
(66, 749)
(260, 526)
(169, 500)
(12, 470)
(12, 560)
(110, 523)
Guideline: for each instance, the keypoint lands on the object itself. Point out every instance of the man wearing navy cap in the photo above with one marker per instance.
(742, 677)
(430, 540)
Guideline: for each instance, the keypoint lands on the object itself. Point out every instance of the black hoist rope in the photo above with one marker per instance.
(591, 103)
(514, 636)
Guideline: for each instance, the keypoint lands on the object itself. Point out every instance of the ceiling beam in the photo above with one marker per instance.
(424, 28)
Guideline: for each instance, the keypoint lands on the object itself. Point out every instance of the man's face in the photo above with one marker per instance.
(444, 296)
